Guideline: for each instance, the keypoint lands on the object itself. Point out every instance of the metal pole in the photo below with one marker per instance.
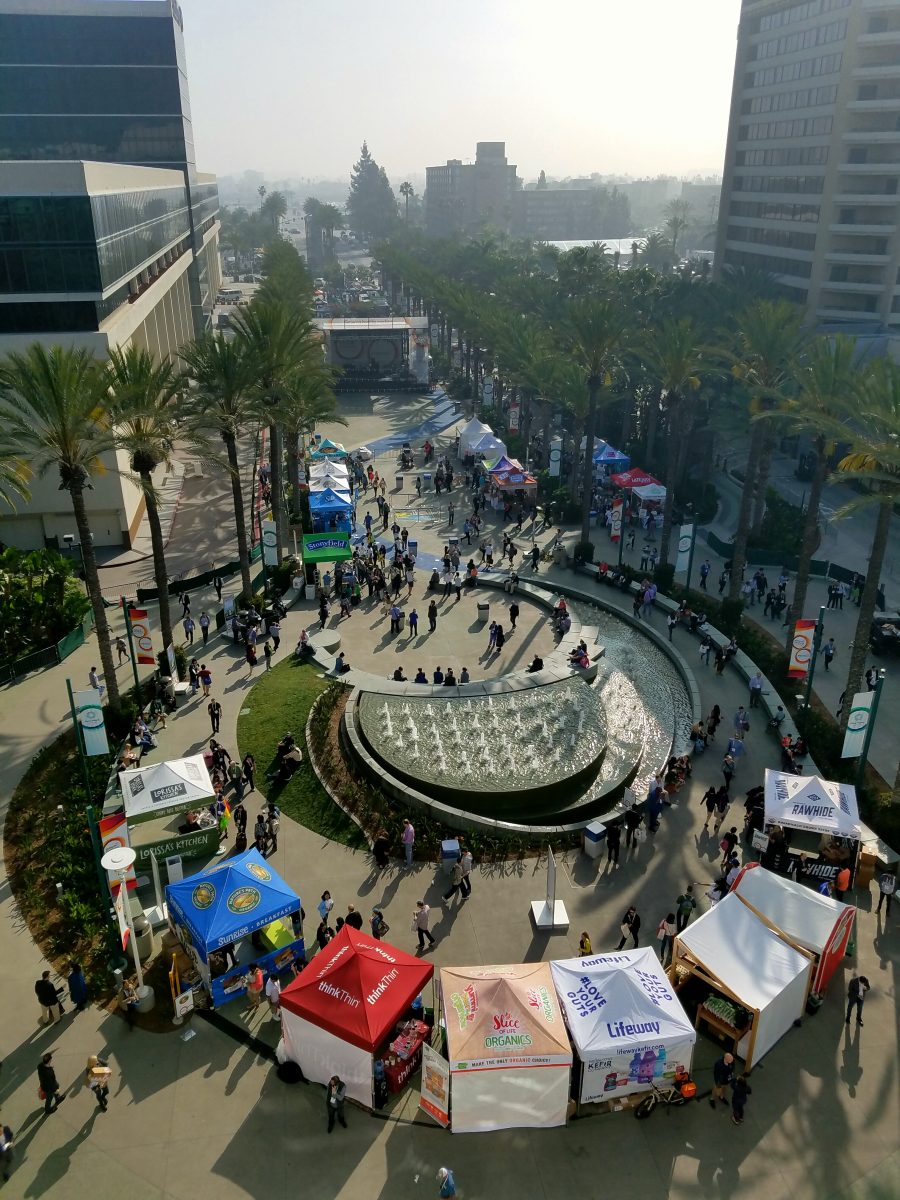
(870, 726)
(79, 740)
(621, 529)
(134, 665)
(126, 908)
(817, 642)
(687, 583)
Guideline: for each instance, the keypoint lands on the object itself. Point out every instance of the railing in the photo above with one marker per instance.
(47, 656)
(190, 582)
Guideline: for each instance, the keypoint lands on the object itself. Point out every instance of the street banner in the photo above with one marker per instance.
(615, 530)
(487, 394)
(857, 724)
(119, 902)
(685, 543)
(801, 649)
(170, 659)
(514, 417)
(435, 1095)
(140, 634)
(551, 881)
(113, 834)
(89, 714)
(555, 456)
(228, 606)
(270, 544)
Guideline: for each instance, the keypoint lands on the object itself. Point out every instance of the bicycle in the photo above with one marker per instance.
(679, 1092)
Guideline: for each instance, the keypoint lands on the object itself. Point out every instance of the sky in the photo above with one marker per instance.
(292, 87)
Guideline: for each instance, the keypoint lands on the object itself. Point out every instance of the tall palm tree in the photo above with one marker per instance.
(13, 478)
(874, 463)
(675, 361)
(144, 414)
(594, 332)
(279, 344)
(406, 191)
(52, 414)
(309, 402)
(220, 397)
(769, 342)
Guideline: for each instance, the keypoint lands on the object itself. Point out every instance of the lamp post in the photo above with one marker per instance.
(118, 861)
(870, 729)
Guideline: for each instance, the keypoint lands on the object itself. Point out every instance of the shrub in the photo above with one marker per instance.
(782, 526)
(664, 577)
(583, 552)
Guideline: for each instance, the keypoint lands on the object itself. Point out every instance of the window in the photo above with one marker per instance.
(775, 210)
(787, 156)
(100, 90)
(144, 140)
(867, 91)
(761, 261)
(141, 41)
(787, 239)
(812, 184)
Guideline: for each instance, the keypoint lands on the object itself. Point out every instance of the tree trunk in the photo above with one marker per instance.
(739, 557)
(859, 648)
(547, 430)
(92, 582)
(762, 481)
(240, 523)
(587, 479)
(293, 459)
(159, 560)
(673, 445)
(276, 460)
(652, 424)
(895, 793)
(807, 547)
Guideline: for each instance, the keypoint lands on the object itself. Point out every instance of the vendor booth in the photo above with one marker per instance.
(747, 981)
(822, 820)
(240, 903)
(501, 465)
(470, 435)
(650, 493)
(167, 810)
(611, 461)
(333, 483)
(330, 510)
(510, 1058)
(489, 446)
(633, 478)
(328, 467)
(805, 917)
(626, 1024)
(326, 448)
(352, 1008)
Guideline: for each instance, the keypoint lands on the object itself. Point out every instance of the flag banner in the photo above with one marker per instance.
(685, 542)
(270, 544)
(801, 649)
(857, 724)
(89, 714)
(140, 635)
(435, 1094)
(615, 529)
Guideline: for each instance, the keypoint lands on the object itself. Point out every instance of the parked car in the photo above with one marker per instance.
(884, 636)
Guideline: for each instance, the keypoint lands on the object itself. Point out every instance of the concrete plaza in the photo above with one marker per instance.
(207, 1117)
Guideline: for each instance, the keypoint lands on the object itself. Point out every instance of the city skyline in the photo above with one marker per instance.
(323, 85)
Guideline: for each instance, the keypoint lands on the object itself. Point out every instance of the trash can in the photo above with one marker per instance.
(426, 481)
(402, 620)
(398, 483)
(143, 936)
(453, 543)
(484, 610)
(594, 837)
(412, 547)
(449, 854)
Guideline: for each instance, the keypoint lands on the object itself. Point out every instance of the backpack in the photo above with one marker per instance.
(448, 1187)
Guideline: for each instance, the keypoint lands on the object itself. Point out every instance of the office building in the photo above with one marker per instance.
(108, 233)
(810, 188)
(464, 197)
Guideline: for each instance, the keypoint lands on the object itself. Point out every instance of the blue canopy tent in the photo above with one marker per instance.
(330, 510)
(611, 460)
(237, 903)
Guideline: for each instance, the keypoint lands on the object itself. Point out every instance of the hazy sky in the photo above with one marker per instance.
(291, 87)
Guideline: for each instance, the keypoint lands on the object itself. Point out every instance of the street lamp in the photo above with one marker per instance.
(118, 861)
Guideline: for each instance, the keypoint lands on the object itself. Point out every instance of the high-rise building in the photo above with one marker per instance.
(810, 188)
(108, 233)
(464, 197)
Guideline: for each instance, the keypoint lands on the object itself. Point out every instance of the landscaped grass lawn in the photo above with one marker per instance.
(280, 701)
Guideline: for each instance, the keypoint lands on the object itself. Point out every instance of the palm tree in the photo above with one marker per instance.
(678, 214)
(220, 396)
(144, 414)
(675, 361)
(406, 191)
(279, 344)
(308, 403)
(770, 340)
(13, 479)
(52, 415)
(875, 463)
(274, 210)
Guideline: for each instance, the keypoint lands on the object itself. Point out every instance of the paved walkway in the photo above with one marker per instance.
(207, 1117)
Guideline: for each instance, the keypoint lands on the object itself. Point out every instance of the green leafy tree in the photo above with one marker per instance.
(285, 278)
(371, 204)
(53, 415)
(678, 217)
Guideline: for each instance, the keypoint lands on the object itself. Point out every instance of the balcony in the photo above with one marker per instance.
(882, 71)
(883, 199)
(890, 37)
(889, 104)
(856, 230)
(874, 137)
(860, 289)
(891, 169)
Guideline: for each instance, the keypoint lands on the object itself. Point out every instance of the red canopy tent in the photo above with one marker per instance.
(343, 1008)
(634, 478)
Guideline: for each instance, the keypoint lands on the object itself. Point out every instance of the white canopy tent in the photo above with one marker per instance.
(320, 470)
(472, 433)
(809, 919)
(811, 803)
(488, 447)
(738, 954)
(626, 1024)
(650, 491)
(165, 788)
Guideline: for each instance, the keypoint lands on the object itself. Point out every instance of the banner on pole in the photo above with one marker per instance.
(270, 544)
(801, 649)
(140, 633)
(113, 834)
(513, 416)
(685, 542)
(119, 901)
(228, 606)
(555, 456)
(857, 724)
(615, 529)
(170, 659)
(435, 1095)
(89, 714)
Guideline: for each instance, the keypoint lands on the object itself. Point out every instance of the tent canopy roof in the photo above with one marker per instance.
(328, 467)
(629, 1002)
(230, 900)
(807, 917)
(811, 803)
(165, 787)
(488, 444)
(634, 478)
(513, 479)
(503, 1015)
(650, 491)
(357, 988)
(742, 952)
(338, 486)
(473, 428)
(329, 500)
(496, 466)
(609, 454)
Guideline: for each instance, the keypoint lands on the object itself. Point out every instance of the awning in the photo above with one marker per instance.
(329, 501)
(809, 802)
(650, 491)
(165, 788)
(634, 478)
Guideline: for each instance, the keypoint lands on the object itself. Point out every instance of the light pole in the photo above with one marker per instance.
(119, 860)
(870, 729)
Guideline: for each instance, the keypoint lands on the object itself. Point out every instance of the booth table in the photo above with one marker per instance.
(718, 1025)
(397, 1073)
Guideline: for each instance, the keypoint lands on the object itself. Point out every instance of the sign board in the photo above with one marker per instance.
(615, 529)
(228, 605)
(513, 416)
(487, 394)
(685, 544)
(555, 456)
(184, 1003)
(119, 901)
(435, 1097)
(760, 840)
(199, 843)
(140, 635)
(170, 658)
(89, 713)
(270, 544)
(326, 547)
(113, 835)
(801, 649)
(857, 724)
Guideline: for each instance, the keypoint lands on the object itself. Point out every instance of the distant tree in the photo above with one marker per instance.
(542, 181)
(286, 280)
(406, 190)
(273, 210)
(371, 203)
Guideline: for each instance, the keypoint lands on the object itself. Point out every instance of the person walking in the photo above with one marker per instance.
(828, 651)
(250, 656)
(275, 635)
(466, 861)
(189, 627)
(267, 651)
(665, 935)
(723, 1073)
(727, 845)
(613, 843)
(684, 907)
(709, 802)
(420, 924)
(217, 584)
(45, 990)
(205, 679)
(335, 1095)
(7, 1144)
(204, 626)
(408, 838)
(856, 995)
(48, 1085)
(456, 878)
(633, 821)
(249, 768)
(447, 1182)
(97, 1076)
(513, 614)
(273, 994)
(727, 773)
(755, 686)
(584, 945)
(887, 885)
(630, 928)
(255, 983)
(214, 708)
(723, 804)
(413, 622)
(78, 992)
(121, 650)
(740, 1090)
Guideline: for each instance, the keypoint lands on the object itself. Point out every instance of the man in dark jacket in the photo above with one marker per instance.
(723, 1073)
(45, 990)
(335, 1094)
(353, 918)
(49, 1085)
(856, 995)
